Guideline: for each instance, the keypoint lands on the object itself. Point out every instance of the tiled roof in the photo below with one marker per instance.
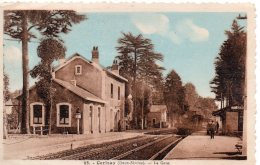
(79, 91)
(158, 108)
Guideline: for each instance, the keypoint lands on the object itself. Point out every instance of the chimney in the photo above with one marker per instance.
(95, 55)
(115, 67)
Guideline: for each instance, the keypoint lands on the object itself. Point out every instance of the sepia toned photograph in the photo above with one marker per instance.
(106, 83)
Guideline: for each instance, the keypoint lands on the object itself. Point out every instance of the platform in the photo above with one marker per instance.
(198, 146)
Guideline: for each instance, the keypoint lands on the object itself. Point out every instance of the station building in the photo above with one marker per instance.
(230, 119)
(82, 88)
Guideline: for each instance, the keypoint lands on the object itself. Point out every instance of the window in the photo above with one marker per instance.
(111, 90)
(78, 70)
(99, 120)
(98, 112)
(63, 115)
(37, 114)
(91, 118)
(118, 93)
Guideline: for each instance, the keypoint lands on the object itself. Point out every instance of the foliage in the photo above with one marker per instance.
(228, 83)
(19, 24)
(49, 50)
(137, 62)
(201, 105)
(6, 92)
(137, 58)
(143, 97)
(174, 95)
(191, 97)
(49, 23)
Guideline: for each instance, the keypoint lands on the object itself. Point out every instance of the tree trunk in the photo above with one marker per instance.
(25, 95)
(135, 113)
(51, 95)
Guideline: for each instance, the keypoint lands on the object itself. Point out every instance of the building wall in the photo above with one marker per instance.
(96, 124)
(114, 107)
(97, 81)
(231, 122)
(63, 95)
(90, 79)
(151, 116)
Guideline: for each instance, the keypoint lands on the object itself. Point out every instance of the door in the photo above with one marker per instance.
(99, 120)
(91, 118)
(115, 122)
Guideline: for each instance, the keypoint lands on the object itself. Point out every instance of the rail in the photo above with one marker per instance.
(139, 148)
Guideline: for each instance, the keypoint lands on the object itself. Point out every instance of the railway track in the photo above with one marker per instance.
(153, 147)
(107, 152)
(65, 153)
(154, 150)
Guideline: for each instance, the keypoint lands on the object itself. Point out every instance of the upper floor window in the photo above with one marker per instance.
(78, 70)
(37, 114)
(111, 90)
(64, 114)
(118, 93)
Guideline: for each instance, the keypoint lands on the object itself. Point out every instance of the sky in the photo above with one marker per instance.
(188, 41)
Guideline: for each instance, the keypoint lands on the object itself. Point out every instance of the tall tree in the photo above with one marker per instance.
(191, 97)
(6, 95)
(19, 24)
(228, 83)
(50, 49)
(137, 61)
(174, 95)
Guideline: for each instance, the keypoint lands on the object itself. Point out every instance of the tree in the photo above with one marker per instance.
(137, 61)
(206, 106)
(6, 92)
(6, 95)
(229, 80)
(191, 97)
(50, 49)
(174, 95)
(19, 24)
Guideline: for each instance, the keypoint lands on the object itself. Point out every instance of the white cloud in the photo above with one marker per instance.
(174, 37)
(188, 30)
(12, 54)
(160, 24)
(151, 23)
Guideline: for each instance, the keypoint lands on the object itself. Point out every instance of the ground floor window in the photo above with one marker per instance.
(37, 114)
(64, 114)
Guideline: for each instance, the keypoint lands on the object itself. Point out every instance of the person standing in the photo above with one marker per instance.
(211, 130)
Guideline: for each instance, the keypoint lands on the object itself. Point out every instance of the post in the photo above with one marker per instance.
(41, 131)
(34, 130)
(78, 126)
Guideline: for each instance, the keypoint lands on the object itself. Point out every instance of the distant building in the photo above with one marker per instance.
(231, 119)
(85, 87)
(157, 117)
